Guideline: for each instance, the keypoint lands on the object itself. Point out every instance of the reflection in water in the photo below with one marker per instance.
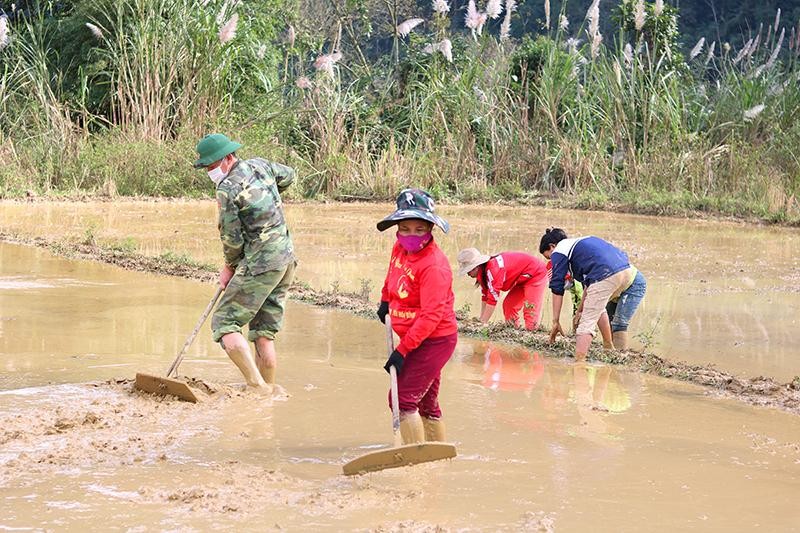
(516, 368)
(592, 392)
(601, 388)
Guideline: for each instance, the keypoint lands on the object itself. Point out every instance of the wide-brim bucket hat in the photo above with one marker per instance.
(414, 203)
(469, 258)
(214, 147)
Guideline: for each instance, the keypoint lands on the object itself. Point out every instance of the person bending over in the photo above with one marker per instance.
(606, 274)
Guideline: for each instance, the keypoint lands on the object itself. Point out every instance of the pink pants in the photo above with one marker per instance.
(529, 297)
(418, 383)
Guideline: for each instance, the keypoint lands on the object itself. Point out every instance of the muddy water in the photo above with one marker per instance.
(544, 445)
(719, 292)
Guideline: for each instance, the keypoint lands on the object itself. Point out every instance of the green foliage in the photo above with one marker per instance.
(126, 246)
(632, 120)
(174, 259)
(530, 58)
(134, 168)
(659, 34)
(90, 235)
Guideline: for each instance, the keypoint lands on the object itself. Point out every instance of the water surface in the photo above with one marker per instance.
(542, 443)
(718, 292)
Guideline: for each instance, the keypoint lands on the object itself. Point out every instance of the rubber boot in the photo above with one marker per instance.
(434, 429)
(620, 340)
(411, 428)
(243, 359)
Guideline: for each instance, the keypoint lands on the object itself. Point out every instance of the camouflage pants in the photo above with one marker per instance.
(256, 300)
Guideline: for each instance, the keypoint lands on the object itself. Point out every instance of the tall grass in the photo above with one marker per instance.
(619, 117)
(628, 119)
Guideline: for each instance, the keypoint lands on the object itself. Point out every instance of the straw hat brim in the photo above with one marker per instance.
(481, 259)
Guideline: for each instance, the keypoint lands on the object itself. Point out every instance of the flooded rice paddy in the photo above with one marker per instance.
(544, 445)
(719, 292)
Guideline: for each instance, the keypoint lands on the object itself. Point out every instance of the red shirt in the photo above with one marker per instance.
(419, 289)
(506, 270)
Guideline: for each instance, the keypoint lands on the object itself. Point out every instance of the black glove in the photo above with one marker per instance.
(396, 360)
(383, 310)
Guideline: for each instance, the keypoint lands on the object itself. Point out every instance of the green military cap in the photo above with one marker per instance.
(214, 147)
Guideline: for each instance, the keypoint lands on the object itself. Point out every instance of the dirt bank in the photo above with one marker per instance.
(760, 391)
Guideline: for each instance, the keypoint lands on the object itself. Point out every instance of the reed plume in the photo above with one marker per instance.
(4, 38)
(405, 27)
(547, 14)
(291, 36)
(710, 54)
(627, 55)
(441, 7)
(474, 19)
(445, 47)
(593, 16)
(777, 50)
(228, 31)
(97, 32)
(697, 48)
(505, 27)
(638, 15)
(325, 62)
(494, 8)
(596, 41)
(753, 112)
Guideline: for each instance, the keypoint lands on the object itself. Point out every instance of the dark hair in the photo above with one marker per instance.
(480, 279)
(551, 236)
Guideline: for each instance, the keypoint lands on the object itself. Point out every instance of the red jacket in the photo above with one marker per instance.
(505, 270)
(419, 289)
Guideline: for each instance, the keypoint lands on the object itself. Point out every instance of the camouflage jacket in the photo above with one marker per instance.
(251, 223)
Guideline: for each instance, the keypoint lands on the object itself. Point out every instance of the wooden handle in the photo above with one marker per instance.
(174, 366)
(393, 378)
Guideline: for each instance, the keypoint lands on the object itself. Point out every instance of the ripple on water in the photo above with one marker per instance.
(12, 283)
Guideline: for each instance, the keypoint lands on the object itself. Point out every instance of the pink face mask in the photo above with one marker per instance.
(414, 243)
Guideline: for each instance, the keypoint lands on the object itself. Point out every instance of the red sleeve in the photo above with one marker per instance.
(495, 277)
(385, 289)
(435, 284)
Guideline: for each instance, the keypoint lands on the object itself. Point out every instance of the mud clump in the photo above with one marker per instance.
(410, 526)
(540, 522)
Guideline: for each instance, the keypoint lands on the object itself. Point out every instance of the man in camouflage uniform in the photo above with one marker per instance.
(259, 255)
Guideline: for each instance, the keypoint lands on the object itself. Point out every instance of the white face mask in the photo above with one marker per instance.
(217, 175)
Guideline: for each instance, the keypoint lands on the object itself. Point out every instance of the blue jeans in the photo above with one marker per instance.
(621, 311)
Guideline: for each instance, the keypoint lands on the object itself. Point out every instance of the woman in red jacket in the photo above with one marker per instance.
(418, 296)
(522, 275)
